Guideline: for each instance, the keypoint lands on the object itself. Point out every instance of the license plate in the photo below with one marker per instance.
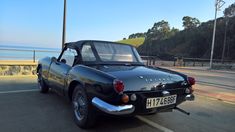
(160, 101)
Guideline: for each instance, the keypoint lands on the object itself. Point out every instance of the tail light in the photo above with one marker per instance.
(191, 80)
(125, 98)
(118, 85)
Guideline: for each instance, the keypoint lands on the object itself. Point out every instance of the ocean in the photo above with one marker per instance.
(26, 53)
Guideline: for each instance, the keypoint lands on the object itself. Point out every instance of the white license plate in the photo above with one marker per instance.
(160, 101)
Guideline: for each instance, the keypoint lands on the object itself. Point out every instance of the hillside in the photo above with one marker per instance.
(195, 43)
(135, 41)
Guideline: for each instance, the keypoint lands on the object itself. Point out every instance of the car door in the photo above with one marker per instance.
(60, 68)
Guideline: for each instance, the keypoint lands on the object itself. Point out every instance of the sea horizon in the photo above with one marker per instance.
(18, 52)
(17, 46)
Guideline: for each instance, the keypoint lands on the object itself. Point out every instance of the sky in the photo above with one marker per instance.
(39, 22)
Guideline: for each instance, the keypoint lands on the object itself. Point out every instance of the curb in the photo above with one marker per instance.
(18, 76)
(222, 97)
(191, 68)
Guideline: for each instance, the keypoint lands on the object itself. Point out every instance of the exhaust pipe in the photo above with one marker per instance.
(190, 97)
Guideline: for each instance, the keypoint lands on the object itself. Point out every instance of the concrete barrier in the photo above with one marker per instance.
(12, 68)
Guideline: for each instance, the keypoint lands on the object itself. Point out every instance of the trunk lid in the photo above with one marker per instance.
(141, 78)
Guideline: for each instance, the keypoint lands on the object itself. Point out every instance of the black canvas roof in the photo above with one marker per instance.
(75, 45)
(78, 44)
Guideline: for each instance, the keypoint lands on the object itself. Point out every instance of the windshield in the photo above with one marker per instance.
(115, 52)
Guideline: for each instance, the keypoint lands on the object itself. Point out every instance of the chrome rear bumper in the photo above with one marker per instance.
(112, 109)
(189, 97)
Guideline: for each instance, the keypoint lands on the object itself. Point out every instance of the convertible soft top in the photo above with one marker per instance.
(75, 45)
(78, 44)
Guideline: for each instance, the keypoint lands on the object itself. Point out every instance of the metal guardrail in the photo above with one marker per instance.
(199, 61)
(24, 53)
(152, 60)
(31, 55)
(149, 60)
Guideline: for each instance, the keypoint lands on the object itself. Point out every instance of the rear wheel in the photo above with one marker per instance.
(41, 83)
(83, 114)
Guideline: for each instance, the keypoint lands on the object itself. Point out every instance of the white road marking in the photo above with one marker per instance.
(18, 91)
(154, 124)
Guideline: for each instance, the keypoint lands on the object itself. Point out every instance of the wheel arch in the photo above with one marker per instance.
(71, 88)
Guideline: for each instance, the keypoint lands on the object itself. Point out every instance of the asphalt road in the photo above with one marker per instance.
(213, 83)
(225, 80)
(24, 109)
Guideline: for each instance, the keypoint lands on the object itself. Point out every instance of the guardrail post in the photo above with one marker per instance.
(33, 55)
(148, 62)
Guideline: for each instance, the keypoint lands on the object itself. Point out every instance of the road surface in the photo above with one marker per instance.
(212, 83)
(24, 109)
(211, 77)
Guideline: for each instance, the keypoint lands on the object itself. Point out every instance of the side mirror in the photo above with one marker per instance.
(53, 59)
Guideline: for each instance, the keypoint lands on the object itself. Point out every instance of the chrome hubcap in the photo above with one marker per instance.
(75, 105)
(79, 107)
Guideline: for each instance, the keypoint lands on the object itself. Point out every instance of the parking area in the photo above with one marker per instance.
(24, 109)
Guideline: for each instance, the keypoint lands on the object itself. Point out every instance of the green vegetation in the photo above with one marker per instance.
(194, 41)
(134, 41)
(189, 22)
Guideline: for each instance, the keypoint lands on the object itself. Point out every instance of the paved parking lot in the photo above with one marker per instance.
(24, 109)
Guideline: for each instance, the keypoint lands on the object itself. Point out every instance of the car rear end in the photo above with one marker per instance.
(140, 90)
(163, 99)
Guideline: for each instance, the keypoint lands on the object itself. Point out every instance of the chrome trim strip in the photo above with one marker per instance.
(112, 109)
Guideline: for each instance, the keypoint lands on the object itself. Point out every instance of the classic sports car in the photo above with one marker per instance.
(106, 77)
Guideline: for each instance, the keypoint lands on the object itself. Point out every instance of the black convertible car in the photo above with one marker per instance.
(106, 77)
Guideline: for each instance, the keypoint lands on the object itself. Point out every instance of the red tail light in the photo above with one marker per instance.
(118, 86)
(191, 80)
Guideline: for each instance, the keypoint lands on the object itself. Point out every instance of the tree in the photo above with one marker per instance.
(160, 30)
(136, 35)
(230, 11)
(189, 22)
(131, 36)
(173, 31)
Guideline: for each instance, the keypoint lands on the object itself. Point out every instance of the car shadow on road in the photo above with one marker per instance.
(110, 123)
(104, 122)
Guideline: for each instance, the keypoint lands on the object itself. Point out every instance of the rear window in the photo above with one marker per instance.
(114, 52)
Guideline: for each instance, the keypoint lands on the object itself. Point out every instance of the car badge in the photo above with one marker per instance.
(141, 77)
